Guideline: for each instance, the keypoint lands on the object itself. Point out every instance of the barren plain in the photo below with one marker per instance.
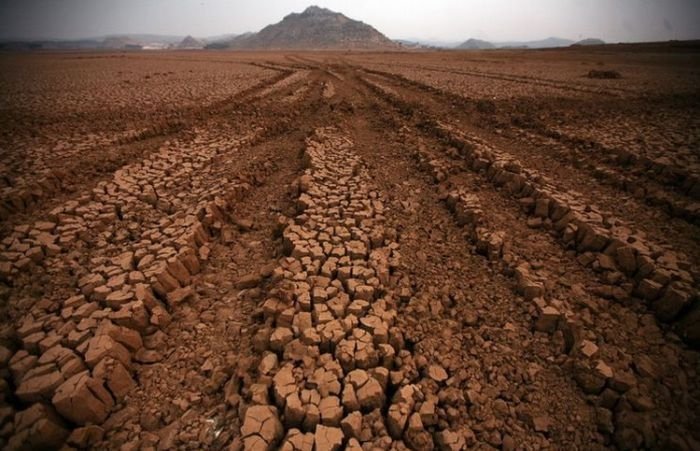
(350, 250)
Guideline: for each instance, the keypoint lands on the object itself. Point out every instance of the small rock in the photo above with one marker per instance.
(541, 423)
(437, 373)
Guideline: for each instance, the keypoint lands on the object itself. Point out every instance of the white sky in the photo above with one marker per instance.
(447, 20)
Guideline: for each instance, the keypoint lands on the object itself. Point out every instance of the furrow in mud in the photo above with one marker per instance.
(565, 301)
(112, 266)
(574, 224)
(335, 371)
(67, 167)
(654, 180)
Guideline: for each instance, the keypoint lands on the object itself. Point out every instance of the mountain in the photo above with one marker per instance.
(476, 44)
(409, 44)
(111, 42)
(540, 44)
(220, 38)
(190, 43)
(149, 38)
(50, 44)
(315, 28)
(430, 43)
(227, 42)
(140, 41)
(589, 41)
(119, 42)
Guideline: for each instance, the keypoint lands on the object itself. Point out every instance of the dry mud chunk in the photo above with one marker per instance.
(352, 425)
(268, 363)
(115, 376)
(331, 411)
(397, 419)
(179, 295)
(588, 348)
(328, 438)
(312, 415)
(294, 410)
(41, 386)
(128, 337)
(368, 390)
(298, 441)
(450, 441)
(85, 437)
(104, 346)
(261, 428)
(165, 280)
(83, 400)
(416, 437)
(259, 394)
(428, 413)
(671, 303)
(547, 320)
(350, 401)
(437, 373)
(280, 337)
(37, 427)
(590, 381)
(179, 271)
(251, 280)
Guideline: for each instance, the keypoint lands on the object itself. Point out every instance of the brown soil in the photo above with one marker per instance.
(361, 251)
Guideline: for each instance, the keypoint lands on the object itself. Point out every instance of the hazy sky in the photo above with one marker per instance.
(448, 20)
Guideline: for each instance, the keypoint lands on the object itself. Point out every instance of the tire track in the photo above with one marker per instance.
(682, 236)
(27, 195)
(336, 366)
(586, 336)
(656, 182)
(144, 239)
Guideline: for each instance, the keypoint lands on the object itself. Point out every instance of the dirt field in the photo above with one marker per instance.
(440, 250)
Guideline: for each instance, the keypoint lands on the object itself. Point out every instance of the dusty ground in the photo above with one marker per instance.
(440, 250)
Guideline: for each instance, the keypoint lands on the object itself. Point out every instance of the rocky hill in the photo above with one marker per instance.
(589, 41)
(190, 43)
(316, 28)
(476, 44)
(118, 42)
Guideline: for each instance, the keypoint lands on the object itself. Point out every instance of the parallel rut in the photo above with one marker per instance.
(342, 373)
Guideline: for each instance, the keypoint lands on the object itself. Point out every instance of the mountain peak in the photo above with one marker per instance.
(190, 42)
(316, 28)
(476, 44)
(314, 10)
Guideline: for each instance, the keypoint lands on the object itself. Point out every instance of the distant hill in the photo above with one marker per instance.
(589, 41)
(111, 42)
(315, 28)
(539, 44)
(140, 41)
(145, 38)
(190, 43)
(220, 38)
(49, 44)
(476, 44)
(429, 43)
(409, 44)
(118, 42)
